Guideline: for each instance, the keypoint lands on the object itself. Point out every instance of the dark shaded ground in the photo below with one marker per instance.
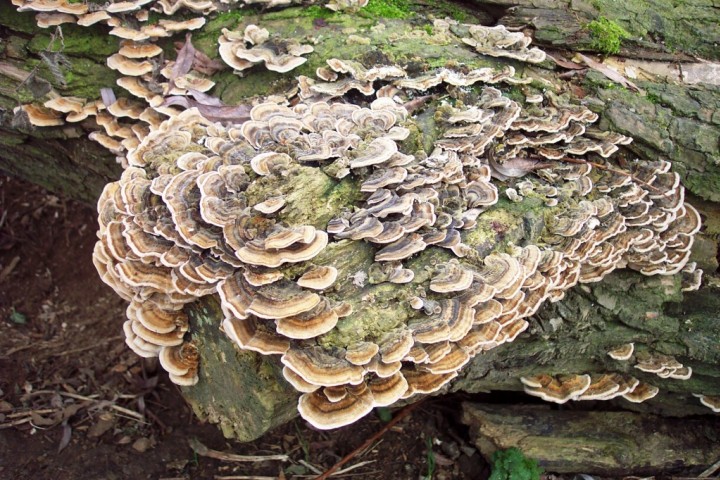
(75, 403)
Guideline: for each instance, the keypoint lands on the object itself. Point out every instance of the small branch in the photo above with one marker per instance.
(15, 423)
(400, 415)
(712, 469)
(203, 451)
(89, 347)
(243, 477)
(117, 408)
(42, 411)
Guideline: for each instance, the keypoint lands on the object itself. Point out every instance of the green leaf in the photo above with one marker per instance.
(511, 464)
(17, 317)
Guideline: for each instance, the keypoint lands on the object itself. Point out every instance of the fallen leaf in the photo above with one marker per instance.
(108, 96)
(185, 59)
(66, 436)
(514, 167)
(142, 444)
(17, 317)
(40, 421)
(105, 421)
(225, 113)
(442, 460)
(202, 63)
(565, 63)
(608, 72)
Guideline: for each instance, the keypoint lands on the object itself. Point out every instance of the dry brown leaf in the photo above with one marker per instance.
(66, 436)
(514, 167)
(105, 421)
(608, 72)
(213, 112)
(185, 59)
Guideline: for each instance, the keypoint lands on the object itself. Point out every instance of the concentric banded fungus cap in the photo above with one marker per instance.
(451, 278)
(643, 391)
(623, 352)
(683, 373)
(126, 66)
(321, 413)
(317, 321)
(320, 368)
(602, 387)
(298, 252)
(66, 104)
(181, 362)
(247, 334)
(361, 353)
(319, 278)
(281, 300)
(298, 382)
(557, 390)
(712, 402)
(389, 390)
(135, 50)
(423, 381)
(40, 116)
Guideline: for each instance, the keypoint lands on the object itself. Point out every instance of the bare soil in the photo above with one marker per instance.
(75, 403)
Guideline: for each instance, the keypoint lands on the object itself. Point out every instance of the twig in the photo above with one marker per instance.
(348, 475)
(89, 347)
(76, 396)
(202, 450)
(15, 422)
(311, 467)
(242, 477)
(9, 268)
(156, 419)
(12, 351)
(353, 467)
(400, 415)
(712, 469)
(42, 411)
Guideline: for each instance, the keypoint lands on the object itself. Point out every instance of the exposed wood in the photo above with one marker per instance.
(600, 443)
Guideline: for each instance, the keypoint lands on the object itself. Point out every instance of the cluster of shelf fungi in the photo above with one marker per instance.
(210, 208)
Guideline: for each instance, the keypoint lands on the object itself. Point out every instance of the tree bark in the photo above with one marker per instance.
(622, 443)
(245, 392)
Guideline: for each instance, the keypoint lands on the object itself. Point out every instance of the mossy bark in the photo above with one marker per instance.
(611, 444)
(245, 392)
(658, 29)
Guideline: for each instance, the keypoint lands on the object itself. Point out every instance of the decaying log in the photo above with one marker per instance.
(244, 392)
(605, 443)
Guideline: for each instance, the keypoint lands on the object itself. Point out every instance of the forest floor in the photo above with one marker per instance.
(76, 403)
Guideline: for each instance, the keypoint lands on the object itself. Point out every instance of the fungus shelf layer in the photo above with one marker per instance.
(252, 212)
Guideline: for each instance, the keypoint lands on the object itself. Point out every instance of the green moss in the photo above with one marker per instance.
(17, 21)
(313, 11)
(387, 9)
(511, 464)
(87, 77)
(606, 35)
(81, 41)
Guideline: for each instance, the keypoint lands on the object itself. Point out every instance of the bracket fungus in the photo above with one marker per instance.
(278, 55)
(273, 269)
(300, 216)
